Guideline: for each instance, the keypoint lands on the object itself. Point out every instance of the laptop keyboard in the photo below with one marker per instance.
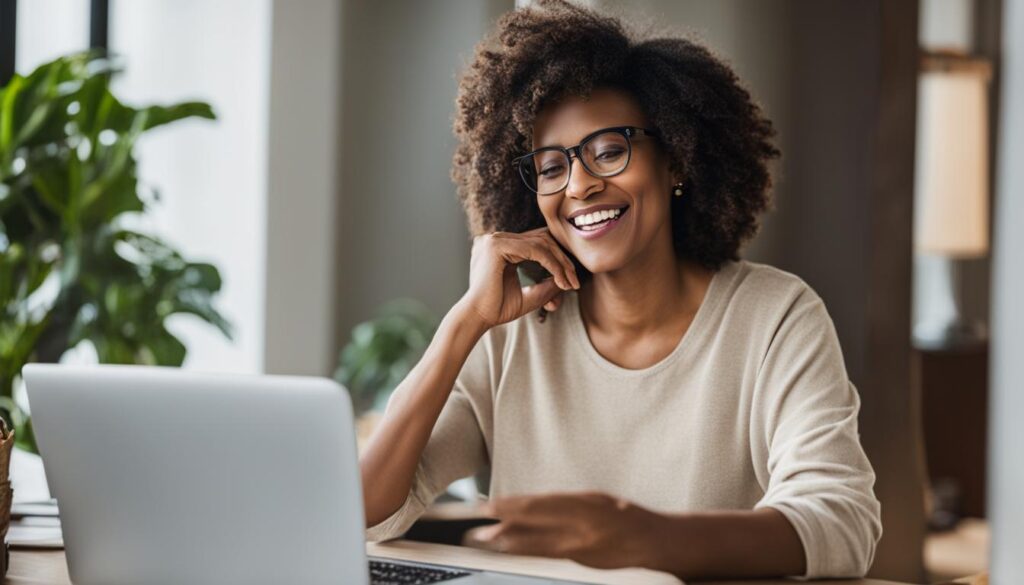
(384, 573)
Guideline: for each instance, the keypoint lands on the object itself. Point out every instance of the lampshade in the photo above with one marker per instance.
(951, 174)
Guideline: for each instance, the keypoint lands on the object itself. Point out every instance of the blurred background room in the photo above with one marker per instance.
(288, 209)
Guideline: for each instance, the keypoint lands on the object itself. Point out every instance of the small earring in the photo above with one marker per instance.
(678, 191)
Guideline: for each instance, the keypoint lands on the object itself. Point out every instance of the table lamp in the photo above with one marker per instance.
(951, 216)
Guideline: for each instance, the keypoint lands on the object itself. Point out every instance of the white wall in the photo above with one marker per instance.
(211, 175)
(48, 29)
(1006, 434)
(302, 187)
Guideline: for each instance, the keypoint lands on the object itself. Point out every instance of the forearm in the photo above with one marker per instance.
(389, 461)
(758, 543)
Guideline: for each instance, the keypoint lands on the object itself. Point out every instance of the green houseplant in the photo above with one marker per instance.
(382, 350)
(70, 271)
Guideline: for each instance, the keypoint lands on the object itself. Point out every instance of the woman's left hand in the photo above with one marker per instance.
(590, 528)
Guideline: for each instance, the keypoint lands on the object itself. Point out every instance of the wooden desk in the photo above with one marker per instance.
(48, 567)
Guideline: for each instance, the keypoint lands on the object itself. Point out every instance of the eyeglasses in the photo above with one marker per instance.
(604, 153)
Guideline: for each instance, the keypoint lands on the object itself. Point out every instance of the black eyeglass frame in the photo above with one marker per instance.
(574, 151)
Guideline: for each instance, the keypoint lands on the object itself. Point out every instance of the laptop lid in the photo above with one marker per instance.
(169, 476)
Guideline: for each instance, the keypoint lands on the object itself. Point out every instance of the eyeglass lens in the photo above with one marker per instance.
(604, 155)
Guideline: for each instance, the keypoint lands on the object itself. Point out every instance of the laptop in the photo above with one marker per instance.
(165, 476)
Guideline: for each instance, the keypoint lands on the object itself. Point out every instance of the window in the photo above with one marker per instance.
(211, 175)
(47, 29)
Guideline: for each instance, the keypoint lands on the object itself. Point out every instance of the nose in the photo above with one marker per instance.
(581, 183)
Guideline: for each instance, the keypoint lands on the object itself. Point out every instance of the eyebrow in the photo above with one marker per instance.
(584, 139)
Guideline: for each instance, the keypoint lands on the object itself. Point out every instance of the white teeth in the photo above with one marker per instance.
(596, 217)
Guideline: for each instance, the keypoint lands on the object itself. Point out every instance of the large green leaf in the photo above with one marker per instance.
(68, 272)
(383, 350)
(8, 101)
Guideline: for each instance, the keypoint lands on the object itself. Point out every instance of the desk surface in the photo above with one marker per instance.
(47, 567)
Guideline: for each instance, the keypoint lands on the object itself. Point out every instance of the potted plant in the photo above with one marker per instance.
(382, 350)
(70, 269)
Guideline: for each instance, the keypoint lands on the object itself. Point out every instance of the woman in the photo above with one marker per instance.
(679, 408)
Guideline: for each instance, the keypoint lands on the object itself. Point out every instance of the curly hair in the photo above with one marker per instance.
(715, 136)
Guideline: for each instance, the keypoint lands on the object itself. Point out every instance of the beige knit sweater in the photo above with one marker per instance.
(753, 408)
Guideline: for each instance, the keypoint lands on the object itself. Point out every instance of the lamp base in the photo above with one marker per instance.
(954, 334)
(942, 324)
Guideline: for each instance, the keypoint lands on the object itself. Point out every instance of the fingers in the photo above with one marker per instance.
(577, 525)
(517, 540)
(540, 294)
(485, 537)
(563, 259)
(539, 246)
(515, 251)
(552, 305)
(548, 257)
(570, 269)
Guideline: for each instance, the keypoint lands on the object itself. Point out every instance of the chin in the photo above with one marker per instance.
(596, 263)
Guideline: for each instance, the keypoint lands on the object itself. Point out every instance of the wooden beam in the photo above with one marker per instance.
(894, 402)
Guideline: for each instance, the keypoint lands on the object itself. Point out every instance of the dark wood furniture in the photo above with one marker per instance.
(954, 408)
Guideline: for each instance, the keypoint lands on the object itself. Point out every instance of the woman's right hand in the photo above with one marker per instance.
(388, 463)
(495, 295)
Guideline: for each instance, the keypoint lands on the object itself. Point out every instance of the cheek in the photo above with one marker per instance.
(654, 199)
(656, 207)
(650, 202)
(549, 209)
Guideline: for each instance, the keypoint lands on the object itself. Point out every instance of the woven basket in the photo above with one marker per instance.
(6, 444)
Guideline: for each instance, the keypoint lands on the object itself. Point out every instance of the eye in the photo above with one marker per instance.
(551, 171)
(610, 154)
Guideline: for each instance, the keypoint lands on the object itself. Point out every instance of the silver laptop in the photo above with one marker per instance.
(165, 476)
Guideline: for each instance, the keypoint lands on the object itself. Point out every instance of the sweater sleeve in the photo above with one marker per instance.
(457, 446)
(807, 448)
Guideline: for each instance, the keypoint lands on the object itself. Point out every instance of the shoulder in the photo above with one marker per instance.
(771, 309)
(765, 279)
(767, 290)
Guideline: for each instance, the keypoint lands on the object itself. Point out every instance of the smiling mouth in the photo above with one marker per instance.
(590, 222)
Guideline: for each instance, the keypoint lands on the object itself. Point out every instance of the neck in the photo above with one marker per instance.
(653, 291)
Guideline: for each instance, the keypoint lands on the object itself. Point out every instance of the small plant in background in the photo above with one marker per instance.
(383, 350)
(70, 271)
